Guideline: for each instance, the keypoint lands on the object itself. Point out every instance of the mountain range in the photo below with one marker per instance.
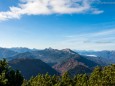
(33, 61)
(105, 56)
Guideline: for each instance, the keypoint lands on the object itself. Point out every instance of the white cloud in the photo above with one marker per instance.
(96, 11)
(106, 32)
(103, 40)
(46, 7)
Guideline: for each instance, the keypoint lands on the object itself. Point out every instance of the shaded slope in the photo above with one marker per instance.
(31, 67)
(80, 69)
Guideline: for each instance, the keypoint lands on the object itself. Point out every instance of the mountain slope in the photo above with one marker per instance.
(31, 67)
(22, 55)
(21, 49)
(75, 65)
(80, 69)
(4, 53)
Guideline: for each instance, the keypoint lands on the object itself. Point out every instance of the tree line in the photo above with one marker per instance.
(99, 77)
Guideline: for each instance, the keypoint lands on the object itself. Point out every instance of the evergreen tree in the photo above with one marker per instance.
(96, 77)
(9, 77)
(66, 80)
(109, 75)
(81, 80)
(3, 80)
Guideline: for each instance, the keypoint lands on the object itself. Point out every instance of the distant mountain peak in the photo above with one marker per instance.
(69, 51)
(49, 48)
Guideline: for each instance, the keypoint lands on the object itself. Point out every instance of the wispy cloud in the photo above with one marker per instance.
(46, 7)
(91, 41)
(96, 11)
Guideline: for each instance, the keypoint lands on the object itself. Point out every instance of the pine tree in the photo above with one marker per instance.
(109, 75)
(3, 80)
(96, 77)
(66, 80)
(9, 77)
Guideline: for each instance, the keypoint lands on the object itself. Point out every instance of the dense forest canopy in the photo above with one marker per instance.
(99, 77)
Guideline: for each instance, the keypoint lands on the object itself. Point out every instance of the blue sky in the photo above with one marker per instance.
(75, 24)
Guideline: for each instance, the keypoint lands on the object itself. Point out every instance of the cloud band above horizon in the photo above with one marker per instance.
(48, 7)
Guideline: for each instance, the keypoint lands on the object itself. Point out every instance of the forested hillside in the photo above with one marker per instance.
(99, 77)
